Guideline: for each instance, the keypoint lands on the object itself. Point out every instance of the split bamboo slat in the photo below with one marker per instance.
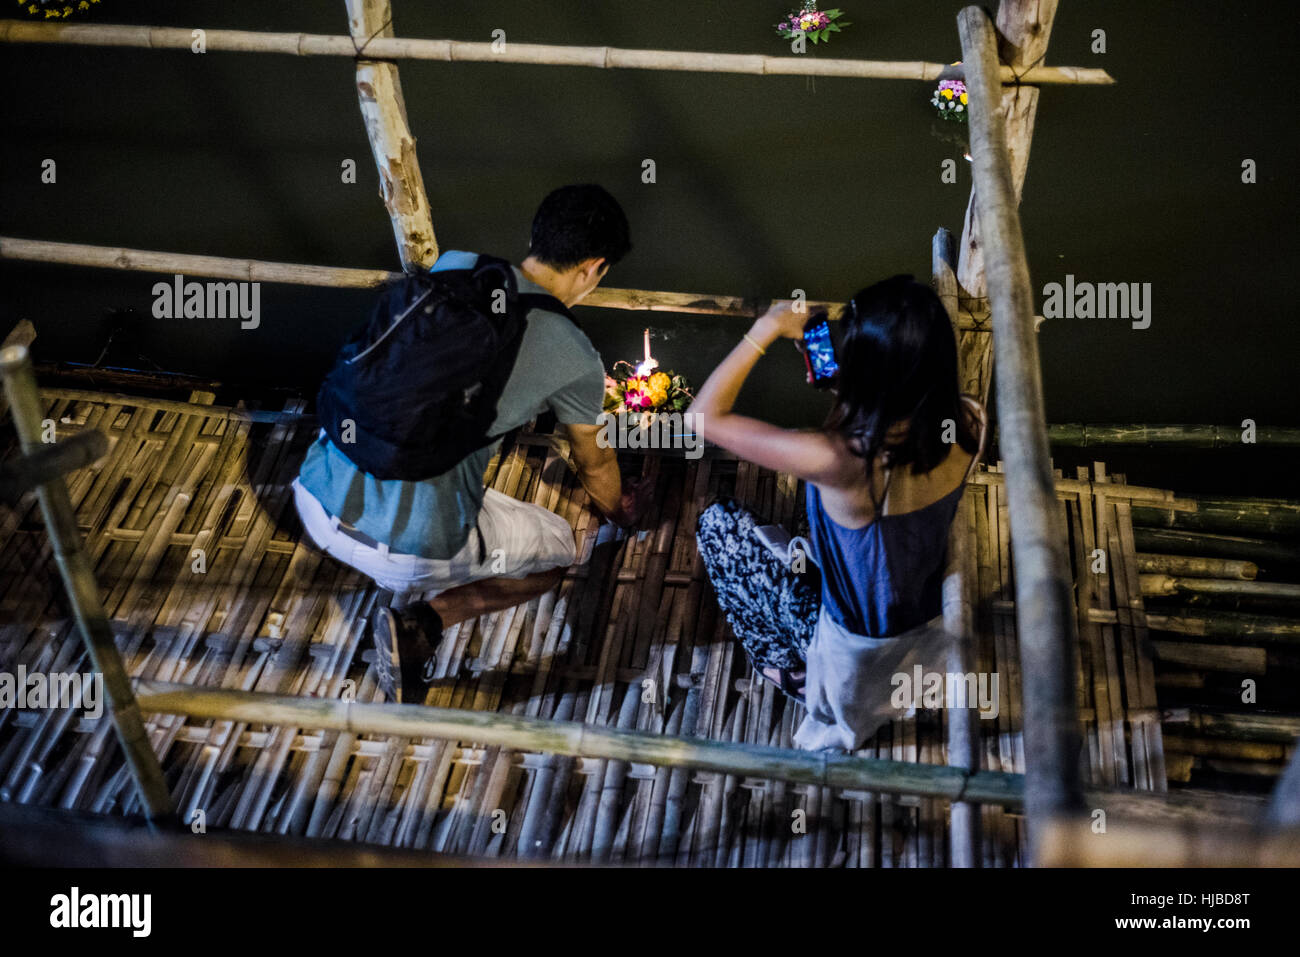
(209, 582)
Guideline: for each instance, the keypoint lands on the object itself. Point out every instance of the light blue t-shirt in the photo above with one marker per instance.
(557, 369)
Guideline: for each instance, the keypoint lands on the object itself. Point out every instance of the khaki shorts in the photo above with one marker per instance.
(518, 539)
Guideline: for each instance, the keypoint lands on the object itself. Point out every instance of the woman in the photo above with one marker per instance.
(884, 476)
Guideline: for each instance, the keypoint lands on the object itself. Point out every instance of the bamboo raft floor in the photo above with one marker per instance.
(207, 579)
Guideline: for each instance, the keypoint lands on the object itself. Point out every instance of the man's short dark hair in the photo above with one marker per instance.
(576, 223)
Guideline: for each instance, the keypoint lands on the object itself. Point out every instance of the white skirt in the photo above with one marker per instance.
(855, 684)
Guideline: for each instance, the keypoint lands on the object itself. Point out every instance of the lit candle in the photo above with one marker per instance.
(648, 364)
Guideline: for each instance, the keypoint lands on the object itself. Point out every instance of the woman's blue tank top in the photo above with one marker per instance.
(886, 577)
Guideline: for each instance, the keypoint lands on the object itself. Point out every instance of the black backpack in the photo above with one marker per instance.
(414, 391)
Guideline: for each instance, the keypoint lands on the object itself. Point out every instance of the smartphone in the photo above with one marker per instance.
(819, 352)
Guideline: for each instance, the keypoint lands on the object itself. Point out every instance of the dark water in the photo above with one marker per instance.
(764, 184)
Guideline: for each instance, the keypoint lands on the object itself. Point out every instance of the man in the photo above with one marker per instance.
(448, 546)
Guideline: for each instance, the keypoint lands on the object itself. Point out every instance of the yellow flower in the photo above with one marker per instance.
(946, 94)
(660, 381)
(963, 98)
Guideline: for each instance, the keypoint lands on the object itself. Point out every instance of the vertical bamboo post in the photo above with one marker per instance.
(1024, 28)
(1046, 625)
(384, 112)
(958, 609)
(83, 592)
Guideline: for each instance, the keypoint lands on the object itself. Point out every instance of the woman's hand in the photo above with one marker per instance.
(781, 321)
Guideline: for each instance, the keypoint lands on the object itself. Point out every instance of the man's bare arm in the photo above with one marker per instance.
(597, 469)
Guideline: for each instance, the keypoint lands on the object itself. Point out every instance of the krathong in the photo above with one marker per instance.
(645, 390)
(950, 99)
(816, 25)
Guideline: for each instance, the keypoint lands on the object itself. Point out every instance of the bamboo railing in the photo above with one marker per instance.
(1051, 789)
(253, 270)
(1086, 435)
(602, 57)
(1044, 589)
(577, 739)
(565, 738)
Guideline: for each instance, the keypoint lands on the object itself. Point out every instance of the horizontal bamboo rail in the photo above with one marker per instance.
(538, 54)
(1208, 513)
(216, 267)
(170, 405)
(575, 739)
(1204, 543)
(1165, 499)
(1200, 623)
(1085, 435)
(1195, 622)
(1234, 725)
(253, 270)
(1195, 567)
(1162, 586)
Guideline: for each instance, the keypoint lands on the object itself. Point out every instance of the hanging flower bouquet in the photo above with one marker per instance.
(54, 9)
(816, 25)
(950, 100)
(644, 390)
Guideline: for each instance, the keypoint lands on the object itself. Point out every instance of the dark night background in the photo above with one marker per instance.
(764, 184)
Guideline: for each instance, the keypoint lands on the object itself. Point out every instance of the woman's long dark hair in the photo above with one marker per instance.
(898, 360)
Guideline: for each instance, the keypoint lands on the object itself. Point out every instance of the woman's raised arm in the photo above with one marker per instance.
(810, 455)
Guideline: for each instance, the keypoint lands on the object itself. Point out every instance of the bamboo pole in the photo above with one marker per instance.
(1265, 516)
(1162, 586)
(574, 739)
(253, 270)
(1226, 624)
(1085, 435)
(1023, 30)
(1236, 725)
(1047, 629)
(387, 47)
(569, 738)
(83, 593)
(49, 462)
(959, 608)
(1186, 565)
(1183, 542)
(382, 107)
